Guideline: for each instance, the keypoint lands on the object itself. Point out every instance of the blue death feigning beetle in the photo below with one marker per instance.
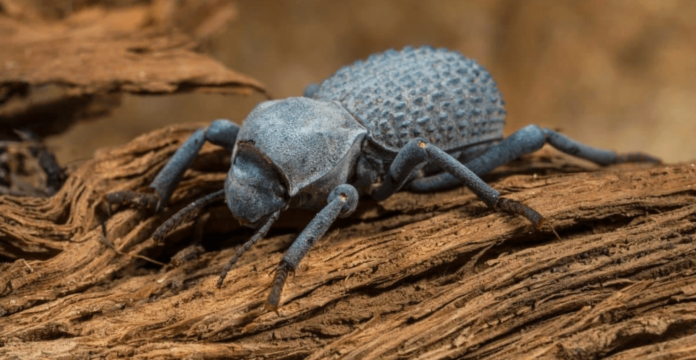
(418, 119)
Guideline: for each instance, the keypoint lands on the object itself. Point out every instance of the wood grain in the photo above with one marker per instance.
(432, 276)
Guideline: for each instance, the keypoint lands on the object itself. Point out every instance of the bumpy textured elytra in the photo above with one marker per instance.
(421, 119)
(436, 94)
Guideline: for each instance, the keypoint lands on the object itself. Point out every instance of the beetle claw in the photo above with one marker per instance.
(516, 207)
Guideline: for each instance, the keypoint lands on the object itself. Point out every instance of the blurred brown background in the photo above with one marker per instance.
(619, 74)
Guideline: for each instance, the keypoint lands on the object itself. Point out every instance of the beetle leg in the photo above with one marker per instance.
(409, 158)
(147, 201)
(220, 132)
(483, 191)
(599, 156)
(341, 202)
(524, 141)
(168, 178)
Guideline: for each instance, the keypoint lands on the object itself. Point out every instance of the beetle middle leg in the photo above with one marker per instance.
(418, 152)
(341, 202)
(525, 141)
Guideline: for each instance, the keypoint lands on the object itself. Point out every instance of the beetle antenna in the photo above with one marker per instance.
(188, 213)
(259, 234)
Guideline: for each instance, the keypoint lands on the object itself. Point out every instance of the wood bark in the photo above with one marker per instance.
(416, 276)
(57, 72)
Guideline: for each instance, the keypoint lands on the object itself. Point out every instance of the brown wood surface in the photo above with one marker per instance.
(55, 72)
(416, 276)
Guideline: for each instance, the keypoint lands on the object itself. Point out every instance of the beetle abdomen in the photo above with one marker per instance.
(436, 94)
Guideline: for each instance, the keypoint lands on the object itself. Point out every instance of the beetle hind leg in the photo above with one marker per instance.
(525, 141)
(598, 156)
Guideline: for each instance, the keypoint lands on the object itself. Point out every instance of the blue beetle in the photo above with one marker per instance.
(422, 119)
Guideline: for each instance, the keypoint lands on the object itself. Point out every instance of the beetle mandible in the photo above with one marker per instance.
(422, 119)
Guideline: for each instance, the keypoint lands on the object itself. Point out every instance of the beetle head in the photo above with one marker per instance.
(254, 189)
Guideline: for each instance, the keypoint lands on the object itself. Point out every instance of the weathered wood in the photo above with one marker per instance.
(415, 276)
(57, 72)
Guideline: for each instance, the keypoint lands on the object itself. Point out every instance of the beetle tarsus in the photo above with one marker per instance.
(516, 207)
(148, 201)
(636, 157)
(278, 283)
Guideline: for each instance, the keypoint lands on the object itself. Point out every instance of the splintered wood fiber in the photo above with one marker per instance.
(426, 276)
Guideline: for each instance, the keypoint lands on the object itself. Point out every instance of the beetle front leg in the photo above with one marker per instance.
(341, 202)
(220, 132)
